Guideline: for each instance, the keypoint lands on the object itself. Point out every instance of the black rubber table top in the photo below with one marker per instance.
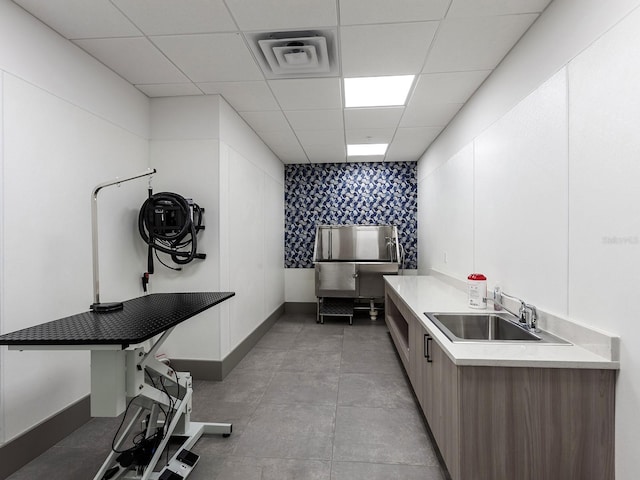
(140, 319)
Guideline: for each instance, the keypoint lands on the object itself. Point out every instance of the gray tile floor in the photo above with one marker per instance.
(309, 402)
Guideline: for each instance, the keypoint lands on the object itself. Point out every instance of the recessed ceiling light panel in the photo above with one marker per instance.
(367, 149)
(377, 91)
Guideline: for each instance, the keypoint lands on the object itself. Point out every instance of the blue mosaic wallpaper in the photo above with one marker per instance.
(348, 194)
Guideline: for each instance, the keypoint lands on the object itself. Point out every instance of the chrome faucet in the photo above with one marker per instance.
(531, 317)
(527, 313)
(390, 243)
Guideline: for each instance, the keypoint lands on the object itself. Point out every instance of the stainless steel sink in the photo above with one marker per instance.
(488, 327)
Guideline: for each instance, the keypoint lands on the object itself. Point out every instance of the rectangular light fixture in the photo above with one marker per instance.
(367, 149)
(377, 91)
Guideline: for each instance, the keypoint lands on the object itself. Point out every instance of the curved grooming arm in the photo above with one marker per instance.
(97, 306)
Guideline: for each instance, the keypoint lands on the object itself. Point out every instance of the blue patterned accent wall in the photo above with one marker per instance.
(348, 194)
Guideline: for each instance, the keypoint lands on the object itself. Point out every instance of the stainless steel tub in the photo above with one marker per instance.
(350, 260)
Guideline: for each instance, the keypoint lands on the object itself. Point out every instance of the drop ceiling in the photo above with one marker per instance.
(207, 47)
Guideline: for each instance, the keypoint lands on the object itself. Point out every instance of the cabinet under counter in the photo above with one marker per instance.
(495, 422)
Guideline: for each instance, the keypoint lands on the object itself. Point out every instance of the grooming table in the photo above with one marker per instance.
(125, 374)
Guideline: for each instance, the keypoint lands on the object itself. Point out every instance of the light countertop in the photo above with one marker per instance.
(429, 294)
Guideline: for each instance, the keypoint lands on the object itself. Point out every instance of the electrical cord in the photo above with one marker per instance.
(115, 436)
(144, 447)
(170, 415)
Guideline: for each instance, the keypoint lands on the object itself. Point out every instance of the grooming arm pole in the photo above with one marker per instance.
(94, 229)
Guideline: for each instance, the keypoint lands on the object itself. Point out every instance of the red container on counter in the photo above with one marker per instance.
(477, 288)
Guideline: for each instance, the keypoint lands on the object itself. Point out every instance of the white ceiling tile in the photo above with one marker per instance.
(285, 145)
(167, 17)
(290, 153)
(455, 87)
(358, 12)
(200, 47)
(169, 89)
(308, 94)
(410, 143)
(475, 43)
(315, 119)
(278, 139)
(243, 96)
(396, 49)
(433, 115)
(357, 118)
(283, 14)
(478, 8)
(217, 57)
(266, 121)
(309, 138)
(80, 18)
(326, 154)
(134, 58)
(370, 135)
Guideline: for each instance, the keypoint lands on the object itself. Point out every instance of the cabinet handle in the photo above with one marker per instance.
(427, 350)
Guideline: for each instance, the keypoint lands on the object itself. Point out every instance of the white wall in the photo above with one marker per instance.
(563, 30)
(68, 124)
(184, 148)
(300, 285)
(555, 211)
(204, 150)
(251, 226)
(520, 197)
(604, 211)
(2, 276)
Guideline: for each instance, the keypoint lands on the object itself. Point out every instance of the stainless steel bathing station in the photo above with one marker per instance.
(350, 261)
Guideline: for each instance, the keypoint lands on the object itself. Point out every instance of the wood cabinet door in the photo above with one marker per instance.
(417, 360)
(446, 407)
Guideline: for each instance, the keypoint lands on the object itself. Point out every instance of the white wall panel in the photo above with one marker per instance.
(521, 211)
(446, 212)
(300, 285)
(203, 148)
(185, 118)
(562, 31)
(604, 235)
(190, 168)
(251, 228)
(40, 56)
(54, 155)
(246, 246)
(423, 222)
(235, 131)
(224, 236)
(273, 244)
(2, 254)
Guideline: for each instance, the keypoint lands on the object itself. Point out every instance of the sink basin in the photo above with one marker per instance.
(487, 327)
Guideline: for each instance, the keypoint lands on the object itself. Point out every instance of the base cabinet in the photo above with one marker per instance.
(506, 423)
(440, 391)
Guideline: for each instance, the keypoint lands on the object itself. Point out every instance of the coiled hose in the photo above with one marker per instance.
(166, 225)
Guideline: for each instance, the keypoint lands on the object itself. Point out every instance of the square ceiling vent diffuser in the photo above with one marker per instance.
(296, 54)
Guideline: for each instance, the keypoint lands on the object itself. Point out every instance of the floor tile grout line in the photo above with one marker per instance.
(335, 415)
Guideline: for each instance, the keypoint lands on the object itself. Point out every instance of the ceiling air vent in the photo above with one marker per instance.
(296, 54)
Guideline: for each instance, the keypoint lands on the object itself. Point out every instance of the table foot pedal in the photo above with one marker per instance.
(181, 466)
